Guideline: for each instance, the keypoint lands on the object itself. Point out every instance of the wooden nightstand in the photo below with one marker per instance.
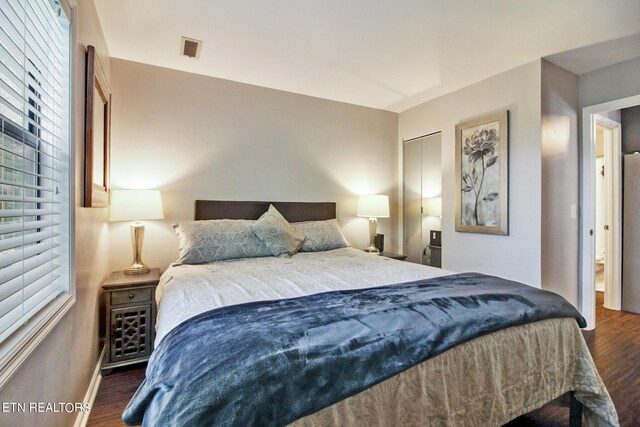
(392, 255)
(130, 318)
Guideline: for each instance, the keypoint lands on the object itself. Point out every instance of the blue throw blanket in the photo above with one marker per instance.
(269, 363)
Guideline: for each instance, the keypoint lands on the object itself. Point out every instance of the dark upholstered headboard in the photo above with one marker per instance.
(292, 211)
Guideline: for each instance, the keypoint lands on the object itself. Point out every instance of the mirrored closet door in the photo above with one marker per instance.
(422, 198)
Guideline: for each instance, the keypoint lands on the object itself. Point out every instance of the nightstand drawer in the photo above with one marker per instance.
(131, 295)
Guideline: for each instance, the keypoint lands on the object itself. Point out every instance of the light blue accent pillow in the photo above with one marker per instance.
(280, 237)
(321, 235)
(217, 240)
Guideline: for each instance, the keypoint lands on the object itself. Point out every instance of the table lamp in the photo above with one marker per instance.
(373, 207)
(136, 205)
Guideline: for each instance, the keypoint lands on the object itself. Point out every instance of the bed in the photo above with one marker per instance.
(488, 380)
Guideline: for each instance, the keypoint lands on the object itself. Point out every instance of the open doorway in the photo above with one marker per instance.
(608, 226)
(601, 196)
(601, 209)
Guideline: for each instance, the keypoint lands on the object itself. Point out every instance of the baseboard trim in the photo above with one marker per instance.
(90, 396)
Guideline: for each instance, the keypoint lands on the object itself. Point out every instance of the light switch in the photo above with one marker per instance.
(574, 211)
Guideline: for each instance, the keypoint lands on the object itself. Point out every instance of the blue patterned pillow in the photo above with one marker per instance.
(216, 240)
(321, 235)
(280, 237)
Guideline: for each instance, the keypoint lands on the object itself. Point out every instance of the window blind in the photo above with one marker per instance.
(34, 158)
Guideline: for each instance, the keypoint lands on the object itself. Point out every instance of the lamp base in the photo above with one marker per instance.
(372, 250)
(135, 269)
(137, 236)
(373, 224)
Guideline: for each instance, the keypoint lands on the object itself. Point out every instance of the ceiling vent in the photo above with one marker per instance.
(190, 47)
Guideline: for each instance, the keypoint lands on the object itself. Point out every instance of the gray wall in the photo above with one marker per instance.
(516, 256)
(197, 137)
(617, 81)
(61, 367)
(630, 119)
(560, 188)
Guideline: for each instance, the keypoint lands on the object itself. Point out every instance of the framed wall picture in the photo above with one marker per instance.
(97, 136)
(482, 175)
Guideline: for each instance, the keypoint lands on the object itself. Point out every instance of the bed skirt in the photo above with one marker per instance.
(487, 381)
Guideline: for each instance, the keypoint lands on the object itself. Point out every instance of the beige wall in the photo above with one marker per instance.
(60, 369)
(560, 181)
(197, 137)
(516, 256)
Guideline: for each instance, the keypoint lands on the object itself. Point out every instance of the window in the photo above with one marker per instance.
(34, 160)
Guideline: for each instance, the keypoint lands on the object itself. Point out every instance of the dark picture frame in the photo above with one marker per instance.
(97, 137)
(482, 175)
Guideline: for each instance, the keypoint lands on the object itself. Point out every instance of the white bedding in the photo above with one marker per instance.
(187, 290)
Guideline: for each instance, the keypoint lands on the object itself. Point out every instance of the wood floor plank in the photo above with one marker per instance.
(614, 345)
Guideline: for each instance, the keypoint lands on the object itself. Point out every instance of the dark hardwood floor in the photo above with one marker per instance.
(614, 345)
(113, 395)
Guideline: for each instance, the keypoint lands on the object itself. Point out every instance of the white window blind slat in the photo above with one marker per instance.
(27, 186)
(17, 269)
(42, 127)
(27, 199)
(8, 258)
(12, 299)
(11, 24)
(46, 17)
(18, 116)
(9, 288)
(16, 213)
(26, 239)
(12, 112)
(19, 170)
(44, 296)
(11, 321)
(12, 48)
(39, 279)
(25, 226)
(18, 7)
(15, 137)
(35, 162)
(15, 184)
(14, 272)
(7, 91)
(39, 43)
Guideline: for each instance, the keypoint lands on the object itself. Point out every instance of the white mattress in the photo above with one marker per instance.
(187, 290)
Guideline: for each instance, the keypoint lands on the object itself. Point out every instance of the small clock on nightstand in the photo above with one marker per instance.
(130, 318)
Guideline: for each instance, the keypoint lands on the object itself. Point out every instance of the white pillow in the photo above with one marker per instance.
(216, 240)
(321, 235)
(280, 237)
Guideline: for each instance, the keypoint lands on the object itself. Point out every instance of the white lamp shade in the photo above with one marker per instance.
(373, 206)
(433, 206)
(135, 205)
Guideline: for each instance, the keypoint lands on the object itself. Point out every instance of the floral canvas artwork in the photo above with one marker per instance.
(481, 168)
(480, 176)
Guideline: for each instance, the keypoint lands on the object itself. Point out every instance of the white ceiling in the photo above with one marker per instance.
(388, 54)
